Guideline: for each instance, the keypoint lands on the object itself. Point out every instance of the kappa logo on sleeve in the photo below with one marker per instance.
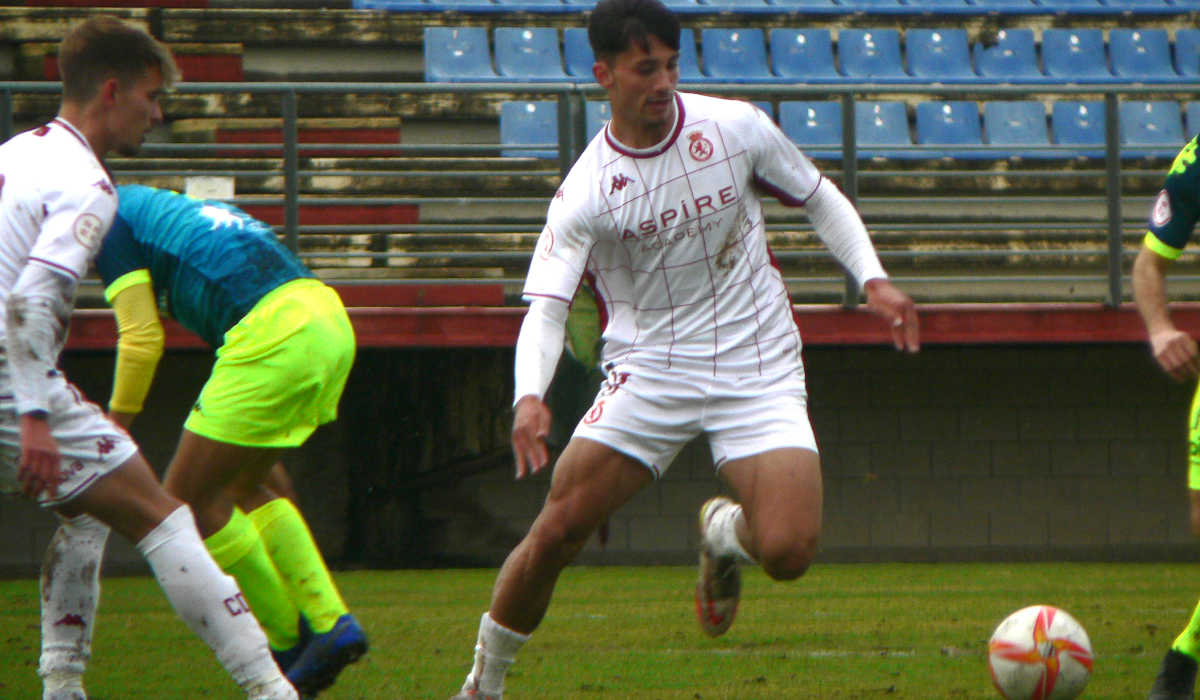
(106, 187)
(88, 230)
(1160, 215)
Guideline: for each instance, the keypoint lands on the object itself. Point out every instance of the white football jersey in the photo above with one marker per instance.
(56, 203)
(673, 238)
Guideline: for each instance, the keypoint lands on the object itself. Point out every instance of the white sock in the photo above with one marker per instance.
(495, 651)
(212, 606)
(722, 533)
(70, 587)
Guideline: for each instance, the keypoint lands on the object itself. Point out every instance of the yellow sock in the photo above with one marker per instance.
(1188, 642)
(240, 552)
(291, 546)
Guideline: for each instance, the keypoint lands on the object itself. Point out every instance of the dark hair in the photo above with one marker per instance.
(103, 47)
(615, 25)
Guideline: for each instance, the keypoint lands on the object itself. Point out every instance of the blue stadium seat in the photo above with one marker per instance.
(462, 5)
(528, 54)
(1010, 56)
(1015, 125)
(735, 55)
(1191, 118)
(1066, 6)
(871, 55)
(1141, 55)
(689, 62)
(939, 55)
(594, 115)
(577, 53)
(534, 5)
(952, 123)
(944, 7)
(736, 5)
(1079, 124)
(1187, 52)
(1150, 128)
(816, 127)
(529, 124)
(872, 5)
(879, 125)
(803, 54)
(830, 6)
(1007, 5)
(1075, 55)
(1139, 6)
(457, 54)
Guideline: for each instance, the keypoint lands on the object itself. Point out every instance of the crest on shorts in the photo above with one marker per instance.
(1160, 215)
(699, 148)
(594, 414)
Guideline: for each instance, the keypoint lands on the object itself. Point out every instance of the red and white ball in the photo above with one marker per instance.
(1040, 653)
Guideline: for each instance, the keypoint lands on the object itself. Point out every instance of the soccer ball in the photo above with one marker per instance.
(1040, 653)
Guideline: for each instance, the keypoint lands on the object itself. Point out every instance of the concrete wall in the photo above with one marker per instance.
(957, 453)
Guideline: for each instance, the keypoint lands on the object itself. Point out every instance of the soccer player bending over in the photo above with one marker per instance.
(663, 212)
(56, 202)
(1172, 221)
(284, 350)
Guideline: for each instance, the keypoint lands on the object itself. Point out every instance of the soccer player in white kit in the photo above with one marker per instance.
(662, 212)
(56, 201)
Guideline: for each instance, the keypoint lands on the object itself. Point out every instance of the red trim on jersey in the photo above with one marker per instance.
(73, 131)
(601, 304)
(666, 145)
(784, 197)
(548, 296)
(56, 266)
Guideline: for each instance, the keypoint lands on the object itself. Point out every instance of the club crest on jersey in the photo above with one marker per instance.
(619, 182)
(88, 230)
(1160, 215)
(700, 148)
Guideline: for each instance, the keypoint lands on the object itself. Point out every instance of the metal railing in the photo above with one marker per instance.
(950, 211)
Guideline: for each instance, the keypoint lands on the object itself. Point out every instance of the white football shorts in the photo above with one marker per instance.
(651, 414)
(91, 445)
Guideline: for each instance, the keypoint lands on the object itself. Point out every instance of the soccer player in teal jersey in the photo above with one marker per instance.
(284, 349)
(1172, 221)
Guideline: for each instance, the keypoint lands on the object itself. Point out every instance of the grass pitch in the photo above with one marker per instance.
(843, 631)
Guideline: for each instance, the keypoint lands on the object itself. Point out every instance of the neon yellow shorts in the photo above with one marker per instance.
(280, 372)
(1194, 443)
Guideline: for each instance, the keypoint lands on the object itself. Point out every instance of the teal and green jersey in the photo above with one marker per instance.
(1177, 208)
(209, 262)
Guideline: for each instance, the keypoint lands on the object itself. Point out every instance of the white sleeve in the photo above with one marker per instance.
(840, 227)
(566, 241)
(74, 226)
(36, 318)
(539, 345)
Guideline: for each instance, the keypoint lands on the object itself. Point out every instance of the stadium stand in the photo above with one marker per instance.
(1016, 124)
(1187, 52)
(735, 55)
(1079, 124)
(1191, 118)
(528, 54)
(950, 123)
(689, 61)
(457, 54)
(803, 54)
(814, 126)
(1075, 55)
(577, 53)
(939, 55)
(1009, 56)
(1147, 124)
(881, 129)
(529, 124)
(871, 55)
(1141, 55)
(596, 113)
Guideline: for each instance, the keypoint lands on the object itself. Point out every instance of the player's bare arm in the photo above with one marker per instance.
(1174, 350)
(886, 300)
(36, 321)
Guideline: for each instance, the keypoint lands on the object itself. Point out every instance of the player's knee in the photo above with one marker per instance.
(785, 559)
(559, 537)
